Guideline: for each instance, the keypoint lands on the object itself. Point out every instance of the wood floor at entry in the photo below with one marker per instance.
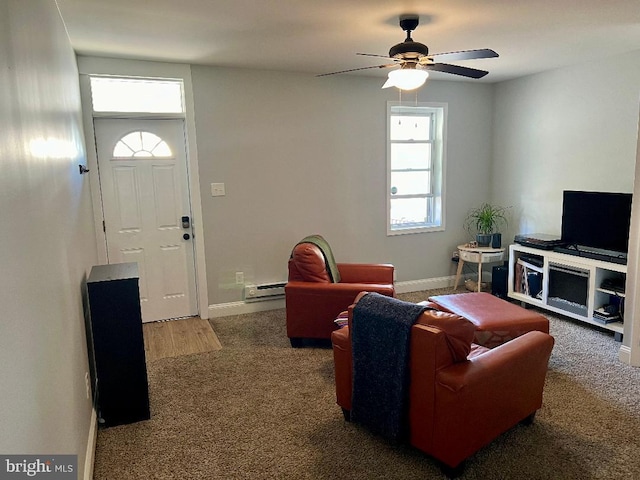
(174, 338)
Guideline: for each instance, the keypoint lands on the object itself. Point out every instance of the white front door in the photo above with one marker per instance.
(145, 199)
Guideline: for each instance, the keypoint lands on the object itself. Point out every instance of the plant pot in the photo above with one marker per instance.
(496, 240)
(484, 239)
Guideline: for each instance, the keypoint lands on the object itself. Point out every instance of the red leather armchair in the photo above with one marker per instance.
(458, 405)
(313, 301)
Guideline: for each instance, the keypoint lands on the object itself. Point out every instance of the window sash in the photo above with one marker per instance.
(406, 211)
(408, 155)
(411, 182)
(413, 208)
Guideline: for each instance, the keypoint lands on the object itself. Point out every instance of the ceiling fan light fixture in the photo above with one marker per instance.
(406, 78)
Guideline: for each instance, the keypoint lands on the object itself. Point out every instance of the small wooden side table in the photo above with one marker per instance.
(477, 255)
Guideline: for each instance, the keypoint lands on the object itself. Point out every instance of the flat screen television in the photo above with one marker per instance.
(598, 220)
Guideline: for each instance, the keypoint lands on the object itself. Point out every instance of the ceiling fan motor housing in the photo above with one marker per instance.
(409, 50)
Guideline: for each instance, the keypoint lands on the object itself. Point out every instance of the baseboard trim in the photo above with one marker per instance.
(624, 355)
(424, 284)
(238, 308)
(90, 455)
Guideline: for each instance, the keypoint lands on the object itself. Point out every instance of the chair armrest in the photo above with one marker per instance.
(366, 273)
(338, 289)
(477, 400)
(503, 366)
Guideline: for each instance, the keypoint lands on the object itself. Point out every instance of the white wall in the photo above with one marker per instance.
(46, 237)
(302, 155)
(571, 128)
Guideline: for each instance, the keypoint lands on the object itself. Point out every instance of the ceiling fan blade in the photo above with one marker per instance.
(356, 69)
(464, 55)
(373, 55)
(456, 70)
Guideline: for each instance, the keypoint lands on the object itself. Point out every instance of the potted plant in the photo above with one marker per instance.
(484, 221)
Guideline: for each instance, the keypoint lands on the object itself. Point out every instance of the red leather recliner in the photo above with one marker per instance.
(313, 300)
(460, 399)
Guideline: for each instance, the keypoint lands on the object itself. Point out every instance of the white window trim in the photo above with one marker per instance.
(439, 166)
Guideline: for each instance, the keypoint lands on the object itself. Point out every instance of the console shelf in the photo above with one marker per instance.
(573, 286)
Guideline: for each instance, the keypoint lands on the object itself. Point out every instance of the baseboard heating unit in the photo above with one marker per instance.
(265, 291)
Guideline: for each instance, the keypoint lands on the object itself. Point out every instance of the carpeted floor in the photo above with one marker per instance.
(258, 409)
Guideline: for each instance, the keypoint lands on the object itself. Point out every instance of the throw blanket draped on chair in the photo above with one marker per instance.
(380, 333)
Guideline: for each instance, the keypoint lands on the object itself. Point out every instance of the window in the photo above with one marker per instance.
(415, 167)
(136, 95)
(141, 144)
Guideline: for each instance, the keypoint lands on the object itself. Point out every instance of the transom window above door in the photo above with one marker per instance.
(141, 144)
(142, 95)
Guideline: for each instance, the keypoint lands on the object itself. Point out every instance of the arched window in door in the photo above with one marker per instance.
(141, 144)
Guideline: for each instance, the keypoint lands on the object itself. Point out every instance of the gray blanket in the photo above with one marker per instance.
(380, 346)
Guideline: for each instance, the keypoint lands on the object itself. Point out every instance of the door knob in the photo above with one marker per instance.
(186, 236)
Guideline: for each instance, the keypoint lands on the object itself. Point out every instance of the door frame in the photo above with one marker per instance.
(94, 66)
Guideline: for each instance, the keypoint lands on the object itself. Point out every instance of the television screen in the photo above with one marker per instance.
(596, 219)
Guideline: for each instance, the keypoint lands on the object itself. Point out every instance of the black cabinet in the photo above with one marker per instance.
(118, 345)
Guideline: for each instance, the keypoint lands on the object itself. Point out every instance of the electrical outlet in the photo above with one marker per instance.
(239, 278)
(87, 382)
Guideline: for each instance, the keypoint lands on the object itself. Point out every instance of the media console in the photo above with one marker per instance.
(586, 289)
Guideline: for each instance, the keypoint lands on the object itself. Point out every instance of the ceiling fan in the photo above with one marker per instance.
(414, 60)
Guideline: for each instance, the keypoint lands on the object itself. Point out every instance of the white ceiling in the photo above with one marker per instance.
(320, 36)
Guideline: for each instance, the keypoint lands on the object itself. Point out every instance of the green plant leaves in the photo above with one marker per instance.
(486, 219)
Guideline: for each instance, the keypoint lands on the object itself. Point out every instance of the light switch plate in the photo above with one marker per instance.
(217, 190)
